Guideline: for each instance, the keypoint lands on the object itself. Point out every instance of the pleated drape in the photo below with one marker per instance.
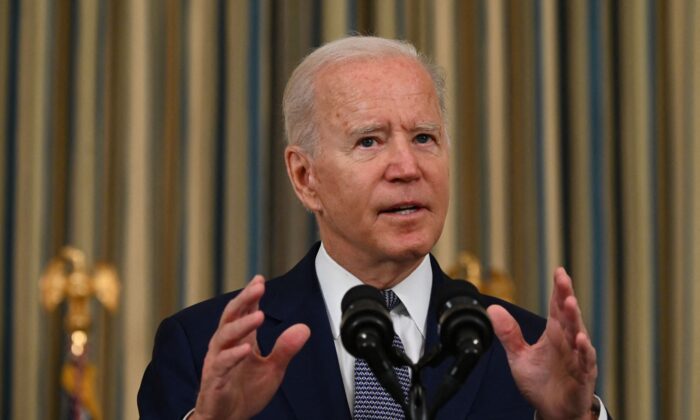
(149, 134)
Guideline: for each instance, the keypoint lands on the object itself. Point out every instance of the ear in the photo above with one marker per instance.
(301, 174)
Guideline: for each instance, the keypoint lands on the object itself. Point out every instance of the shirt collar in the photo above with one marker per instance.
(414, 290)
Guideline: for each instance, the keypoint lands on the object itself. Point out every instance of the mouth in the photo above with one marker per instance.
(403, 209)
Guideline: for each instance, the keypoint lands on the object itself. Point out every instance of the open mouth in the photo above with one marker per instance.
(403, 210)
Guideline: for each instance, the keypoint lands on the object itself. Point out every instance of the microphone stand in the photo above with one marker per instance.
(417, 407)
(417, 403)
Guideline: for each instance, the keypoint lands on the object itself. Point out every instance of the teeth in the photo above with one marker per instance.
(405, 210)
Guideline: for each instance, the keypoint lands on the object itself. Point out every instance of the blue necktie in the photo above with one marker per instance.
(371, 399)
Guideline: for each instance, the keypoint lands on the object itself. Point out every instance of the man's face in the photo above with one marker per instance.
(380, 174)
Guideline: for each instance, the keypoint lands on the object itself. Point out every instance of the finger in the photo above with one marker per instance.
(245, 302)
(288, 345)
(587, 354)
(572, 320)
(507, 330)
(228, 358)
(564, 307)
(561, 290)
(231, 333)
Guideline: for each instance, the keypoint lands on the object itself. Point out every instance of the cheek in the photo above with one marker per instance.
(349, 197)
(442, 187)
(336, 190)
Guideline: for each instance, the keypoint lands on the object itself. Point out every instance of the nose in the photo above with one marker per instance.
(403, 163)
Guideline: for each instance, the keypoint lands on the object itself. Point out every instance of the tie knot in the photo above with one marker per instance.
(390, 299)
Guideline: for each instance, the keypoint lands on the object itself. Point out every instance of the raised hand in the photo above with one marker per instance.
(556, 374)
(237, 382)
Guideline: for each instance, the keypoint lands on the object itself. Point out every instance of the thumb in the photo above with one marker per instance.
(288, 345)
(507, 330)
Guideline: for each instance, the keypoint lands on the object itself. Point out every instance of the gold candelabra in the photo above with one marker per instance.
(68, 278)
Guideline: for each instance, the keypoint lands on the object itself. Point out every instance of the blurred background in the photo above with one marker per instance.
(148, 134)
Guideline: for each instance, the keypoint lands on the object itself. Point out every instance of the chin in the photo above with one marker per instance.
(408, 250)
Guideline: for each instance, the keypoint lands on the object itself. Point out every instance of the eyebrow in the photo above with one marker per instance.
(373, 128)
(367, 129)
(431, 127)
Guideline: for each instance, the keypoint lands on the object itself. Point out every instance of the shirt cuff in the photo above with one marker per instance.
(603, 412)
(602, 416)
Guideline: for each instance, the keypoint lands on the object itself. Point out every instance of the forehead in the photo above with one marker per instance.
(387, 81)
(365, 68)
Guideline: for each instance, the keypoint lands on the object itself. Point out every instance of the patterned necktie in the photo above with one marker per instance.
(371, 399)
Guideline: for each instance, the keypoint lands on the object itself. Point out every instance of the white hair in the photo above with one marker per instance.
(299, 95)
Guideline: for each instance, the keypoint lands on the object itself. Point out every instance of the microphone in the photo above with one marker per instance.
(367, 333)
(463, 323)
(465, 332)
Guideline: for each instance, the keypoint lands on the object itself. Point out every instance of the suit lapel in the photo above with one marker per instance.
(312, 385)
(460, 404)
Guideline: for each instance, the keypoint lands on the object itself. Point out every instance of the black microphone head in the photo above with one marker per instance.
(357, 293)
(463, 323)
(452, 288)
(365, 324)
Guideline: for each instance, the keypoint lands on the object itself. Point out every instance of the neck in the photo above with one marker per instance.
(379, 273)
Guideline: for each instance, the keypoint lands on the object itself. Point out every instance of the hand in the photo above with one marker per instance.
(237, 382)
(556, 374)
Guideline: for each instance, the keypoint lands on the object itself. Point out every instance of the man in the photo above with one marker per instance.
(368, 155)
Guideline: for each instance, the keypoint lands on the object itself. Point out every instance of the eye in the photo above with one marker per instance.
(367, 142)
(424, 138)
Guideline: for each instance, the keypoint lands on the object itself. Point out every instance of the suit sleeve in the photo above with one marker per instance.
(171, 382)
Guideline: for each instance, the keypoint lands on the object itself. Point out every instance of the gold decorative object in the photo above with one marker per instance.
(67, 278)
(497, 282)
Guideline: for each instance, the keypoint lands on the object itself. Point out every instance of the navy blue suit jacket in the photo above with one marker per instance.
(312, 387)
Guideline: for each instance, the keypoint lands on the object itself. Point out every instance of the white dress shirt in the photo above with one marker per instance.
(409, 318)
